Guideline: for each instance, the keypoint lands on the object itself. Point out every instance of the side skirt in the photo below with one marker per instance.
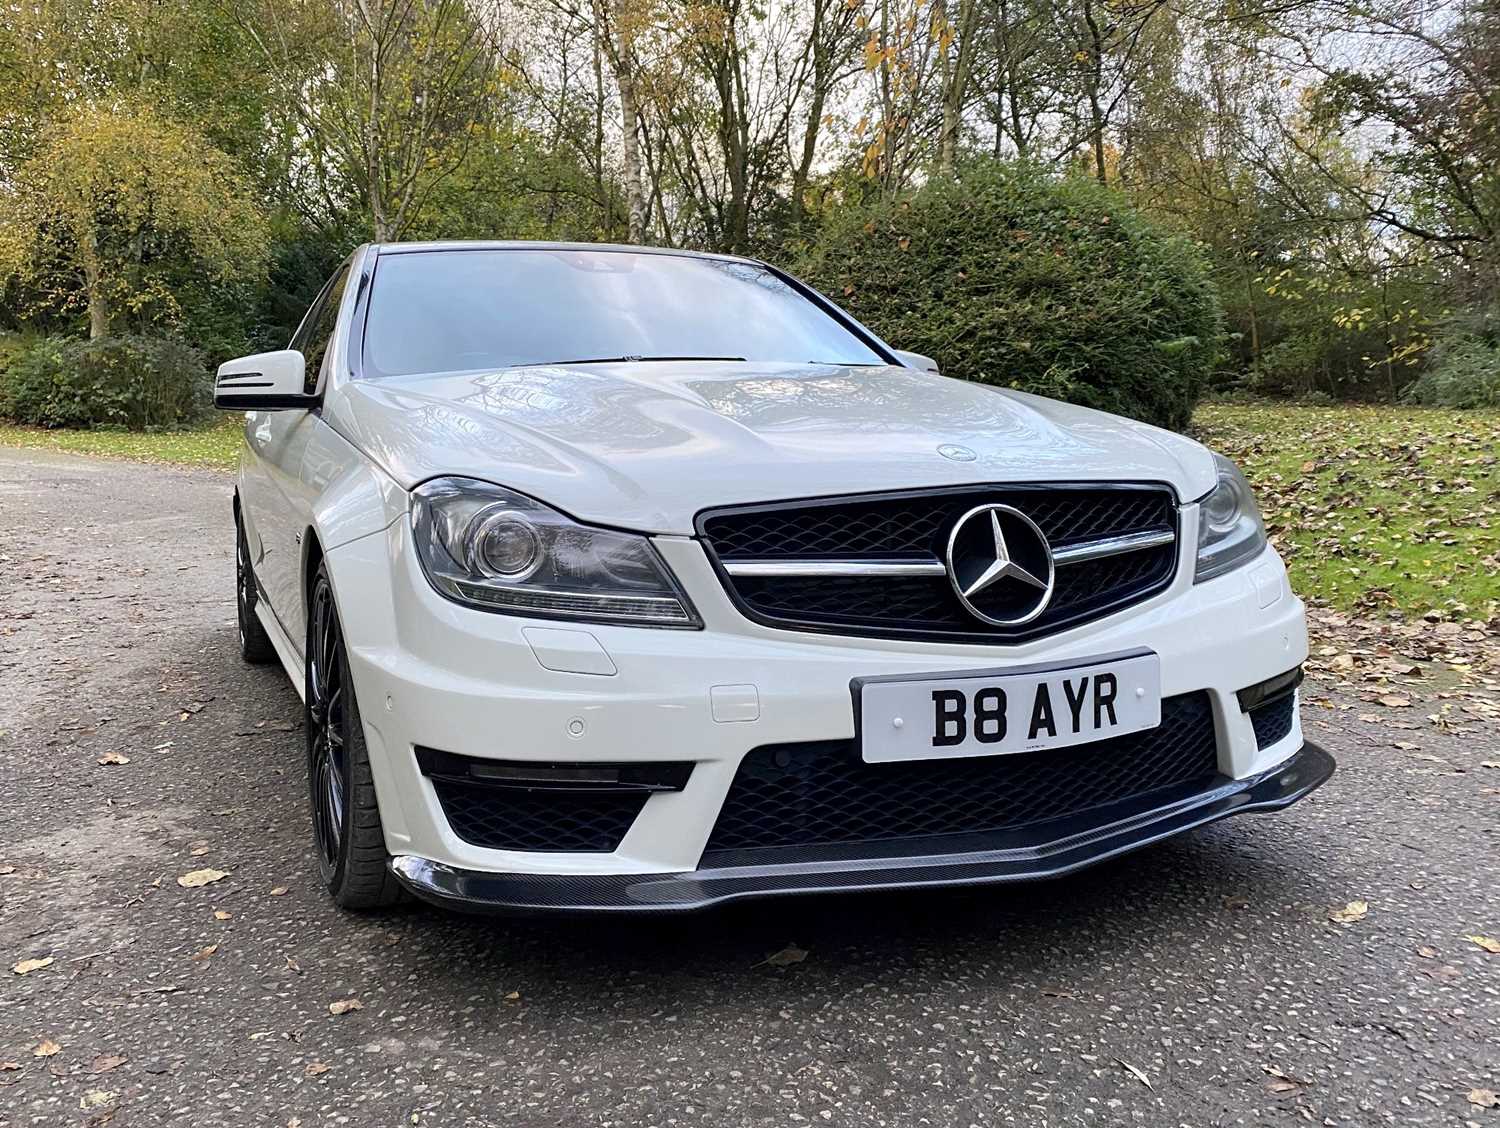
(291, 661)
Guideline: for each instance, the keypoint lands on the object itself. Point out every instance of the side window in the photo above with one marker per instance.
(316, 330)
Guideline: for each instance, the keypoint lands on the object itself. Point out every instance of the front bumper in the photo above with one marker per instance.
(1070, 845)
(433, 675)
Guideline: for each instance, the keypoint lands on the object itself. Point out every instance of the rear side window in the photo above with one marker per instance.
(316, 331)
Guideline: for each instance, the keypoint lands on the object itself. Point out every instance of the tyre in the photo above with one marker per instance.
(349, 840)
(255, 644)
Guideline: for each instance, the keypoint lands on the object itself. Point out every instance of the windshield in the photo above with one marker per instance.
(451, 311)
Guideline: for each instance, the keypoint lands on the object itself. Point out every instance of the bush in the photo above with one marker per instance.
(1007, 276)
(137, 383)
(1466, 373)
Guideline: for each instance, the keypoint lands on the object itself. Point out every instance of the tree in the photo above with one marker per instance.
(119, 208)
(385, 97)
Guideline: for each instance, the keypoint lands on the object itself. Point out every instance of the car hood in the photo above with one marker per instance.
(647, 445)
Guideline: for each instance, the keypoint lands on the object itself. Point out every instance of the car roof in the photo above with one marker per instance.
(539, 245)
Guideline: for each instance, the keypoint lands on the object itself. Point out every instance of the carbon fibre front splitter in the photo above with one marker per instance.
(1074, 848)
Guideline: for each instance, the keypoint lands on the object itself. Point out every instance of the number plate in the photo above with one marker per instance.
(996, 712)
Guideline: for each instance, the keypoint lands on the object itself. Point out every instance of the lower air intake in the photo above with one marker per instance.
(821, 794)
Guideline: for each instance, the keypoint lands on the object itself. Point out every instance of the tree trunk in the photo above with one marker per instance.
(620, 49)
(954, 64)
(99, 312)
(1095, 80)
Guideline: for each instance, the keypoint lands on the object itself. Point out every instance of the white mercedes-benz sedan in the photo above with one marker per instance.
(616, 578)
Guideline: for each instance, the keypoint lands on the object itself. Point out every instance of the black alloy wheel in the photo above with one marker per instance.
(255, 643)
(347, 833)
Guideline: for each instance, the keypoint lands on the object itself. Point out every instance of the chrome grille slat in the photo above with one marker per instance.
(1067, 554)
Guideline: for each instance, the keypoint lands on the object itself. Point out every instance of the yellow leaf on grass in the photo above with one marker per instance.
(1353, 911)
(1488, 943)
(26, 967)
(196, 878)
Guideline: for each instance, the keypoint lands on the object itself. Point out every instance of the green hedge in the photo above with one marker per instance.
(137, 383)
(1006, 275)
(1464, 373)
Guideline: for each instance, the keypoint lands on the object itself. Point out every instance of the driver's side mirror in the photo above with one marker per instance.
(917, 360)
(271, 381)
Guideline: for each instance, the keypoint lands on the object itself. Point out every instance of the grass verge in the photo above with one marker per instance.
(1374, 508)
(216, 446)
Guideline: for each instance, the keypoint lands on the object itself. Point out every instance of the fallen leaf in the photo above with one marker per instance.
(278, 891)
(96, 1098)
(113, 757)
(791, 954)
(313, 1068)
(1484, 1098)
(1236, 903)
(7, 869)
(344, 1006)
(292, 965)
(1427, 952)
(1353, 911)
(45, 1048)
(1283, 1082)
(8, 1066)
(1136, 1073)
(105, 1062)
(26, 967)
(513, 997)
(220, 914)
(205, 953)
(1482, 764)
(1488, 943)
(198, 851)
(1395, 701)
(200, 877)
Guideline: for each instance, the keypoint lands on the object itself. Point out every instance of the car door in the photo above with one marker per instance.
(271, 494)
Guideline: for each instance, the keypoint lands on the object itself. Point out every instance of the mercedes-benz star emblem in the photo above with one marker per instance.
(957, 452)
(1000, 565)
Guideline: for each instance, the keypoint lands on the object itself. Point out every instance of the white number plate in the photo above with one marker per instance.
(995, 712)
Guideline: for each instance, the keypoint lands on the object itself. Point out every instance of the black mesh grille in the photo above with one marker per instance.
(822, 794)
(917, 525)
(510, 819)
(1273, 720)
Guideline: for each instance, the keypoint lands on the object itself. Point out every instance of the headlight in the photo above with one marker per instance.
(489, 547)
(1230, 530)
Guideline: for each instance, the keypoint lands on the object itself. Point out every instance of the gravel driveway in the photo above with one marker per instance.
(1199, 983)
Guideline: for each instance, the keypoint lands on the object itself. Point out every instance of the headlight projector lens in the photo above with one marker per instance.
(503, 544)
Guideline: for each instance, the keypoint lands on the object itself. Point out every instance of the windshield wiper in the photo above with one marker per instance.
(624, 359)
